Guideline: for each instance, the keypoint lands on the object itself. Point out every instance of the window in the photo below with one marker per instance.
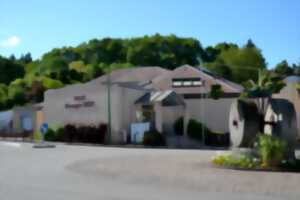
(177, 83)
(187, 82)
(197, 83)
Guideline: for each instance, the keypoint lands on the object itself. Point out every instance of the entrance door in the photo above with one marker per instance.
(26, 122)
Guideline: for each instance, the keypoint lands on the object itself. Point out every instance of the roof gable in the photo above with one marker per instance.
(164, 81)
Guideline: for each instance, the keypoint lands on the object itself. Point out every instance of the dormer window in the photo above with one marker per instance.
(177, 83)
(187, 82)
(197, 83)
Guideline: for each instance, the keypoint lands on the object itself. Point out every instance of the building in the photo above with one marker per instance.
(160, 95)
(6, 121)
(28, 118)
(21, 120)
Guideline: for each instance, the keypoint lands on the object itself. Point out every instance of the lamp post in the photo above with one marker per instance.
(108, 139)
(202, 96)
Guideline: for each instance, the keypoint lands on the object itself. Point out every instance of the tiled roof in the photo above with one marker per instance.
(164, 81)
(134, 74)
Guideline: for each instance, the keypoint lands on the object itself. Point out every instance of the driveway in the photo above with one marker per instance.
(79, 172)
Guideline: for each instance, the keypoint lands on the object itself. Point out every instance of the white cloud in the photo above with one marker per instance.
(12, 41)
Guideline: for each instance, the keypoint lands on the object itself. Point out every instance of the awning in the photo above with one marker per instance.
(167, 98)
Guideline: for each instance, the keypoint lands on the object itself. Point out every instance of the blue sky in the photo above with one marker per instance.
(37, 26)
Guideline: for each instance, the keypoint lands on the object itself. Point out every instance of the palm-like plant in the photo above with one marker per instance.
(267, 84)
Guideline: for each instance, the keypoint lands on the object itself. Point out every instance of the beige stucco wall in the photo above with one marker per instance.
(57, 115)
(169, 115)
(214, 113)
(290, 93)
(123, 111)
(122, 107)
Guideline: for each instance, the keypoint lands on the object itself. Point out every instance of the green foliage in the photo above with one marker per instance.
(10, 70)
(166, 51)
(179, 126)
(3, 93)
(298, 88)
(216, 91)
(266, 85)
(283, 69)
(3, 97)
(37, 136)
(291, 165)
(36, 92)
(52, 83)
(242, 62)
(220, 69)
(50, 135)
(241, 161)
(17, 93)
(54, 134)
(271, 150)
(154, 138)
(195, 128)
(77, 66)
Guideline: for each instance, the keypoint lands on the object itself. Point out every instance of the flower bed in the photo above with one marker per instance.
(269, 156)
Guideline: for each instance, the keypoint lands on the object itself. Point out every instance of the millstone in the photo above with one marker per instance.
(282, 115)
(243, 123)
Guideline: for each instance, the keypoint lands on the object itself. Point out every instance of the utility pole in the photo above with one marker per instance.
(108, 139)
(202, 96)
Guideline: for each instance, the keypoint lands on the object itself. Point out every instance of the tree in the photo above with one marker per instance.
(10, 70)
(3, 94)
(36, 92)
(12, 57)
(219, 68)
(241, 61)
(17, 94)
(78, 66)
(235, 63)
(250, 44)
(283, 69)
(25, 59)
(168, 52)
(49, 83)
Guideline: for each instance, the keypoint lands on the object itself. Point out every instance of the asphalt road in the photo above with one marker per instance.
(89, 173)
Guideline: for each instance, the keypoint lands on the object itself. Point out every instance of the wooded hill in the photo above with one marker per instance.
(24, 80)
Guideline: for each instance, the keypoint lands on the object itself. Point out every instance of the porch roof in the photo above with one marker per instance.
(167, 98)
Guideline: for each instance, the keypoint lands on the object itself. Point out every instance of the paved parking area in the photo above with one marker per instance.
(79, 172)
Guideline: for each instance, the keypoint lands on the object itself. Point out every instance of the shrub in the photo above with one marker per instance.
(242, 161)
(291, 165)
(194, 129)
(179, 126)
(59, 134)
(154, 138)
(271, 150)
(82, 133)
(102, 130)
(70, 132)
(216, 91)
(217, 139)
(50, 135)
(37, 136)
(270, 155)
